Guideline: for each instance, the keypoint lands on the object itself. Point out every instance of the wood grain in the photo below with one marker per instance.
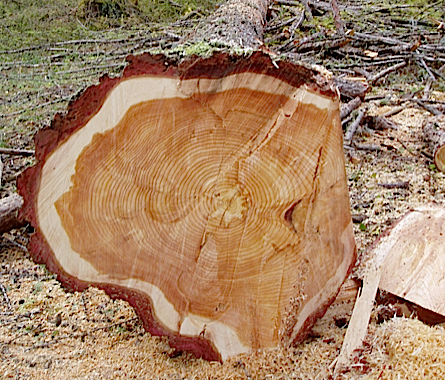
(218, 197)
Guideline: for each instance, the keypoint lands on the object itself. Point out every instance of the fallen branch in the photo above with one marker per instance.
(379, 123)
(351, 88)
(393, 111)
(337, 19)
(431, 109)
(17, 152)
(370, 147)
(427, 69)
(353, 127)
(382, 73)
(378, 38)
(347, 108)
(395, 185)
(5, 296)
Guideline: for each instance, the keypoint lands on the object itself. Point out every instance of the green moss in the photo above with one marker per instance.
(202, 49)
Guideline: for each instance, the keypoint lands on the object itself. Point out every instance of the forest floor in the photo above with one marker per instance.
(51, 51)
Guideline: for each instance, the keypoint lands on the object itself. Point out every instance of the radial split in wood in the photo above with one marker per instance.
(210, 195)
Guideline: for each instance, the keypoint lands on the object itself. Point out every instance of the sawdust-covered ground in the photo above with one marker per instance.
(47, 333)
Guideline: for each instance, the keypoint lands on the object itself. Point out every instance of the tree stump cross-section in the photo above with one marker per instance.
(210, 194)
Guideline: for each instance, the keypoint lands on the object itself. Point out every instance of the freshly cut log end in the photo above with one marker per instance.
(210, 194)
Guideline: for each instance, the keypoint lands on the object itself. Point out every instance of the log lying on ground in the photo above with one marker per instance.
(210, 194)
(434, 131)
(9, 210)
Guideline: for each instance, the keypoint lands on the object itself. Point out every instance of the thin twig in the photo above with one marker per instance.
(13, 242)
(71, 42)
(428, 107)
(382, 73)
(393, 111)
(398, 185)
(281, 24)
(424, 65)
(17, 152)
(5, 296)
(404, 146)
(296, 25)
(36, 107)
(427, 89)
(307, 10)
(337, 19)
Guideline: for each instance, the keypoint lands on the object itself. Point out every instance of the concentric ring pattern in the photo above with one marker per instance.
(220, 199)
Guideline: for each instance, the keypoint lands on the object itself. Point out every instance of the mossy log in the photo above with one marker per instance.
(210, 193)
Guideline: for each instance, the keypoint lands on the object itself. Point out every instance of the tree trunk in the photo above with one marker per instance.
(238, 24)
(210, 194)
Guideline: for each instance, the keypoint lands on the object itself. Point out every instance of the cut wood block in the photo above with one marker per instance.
(406, 261)
(414, 268)
(210, 194)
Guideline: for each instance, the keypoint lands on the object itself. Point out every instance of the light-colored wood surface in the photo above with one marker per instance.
(414, 268)
(408, 262)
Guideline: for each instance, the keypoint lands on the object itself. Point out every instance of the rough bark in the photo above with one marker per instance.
(350, 89)
(238, 24)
